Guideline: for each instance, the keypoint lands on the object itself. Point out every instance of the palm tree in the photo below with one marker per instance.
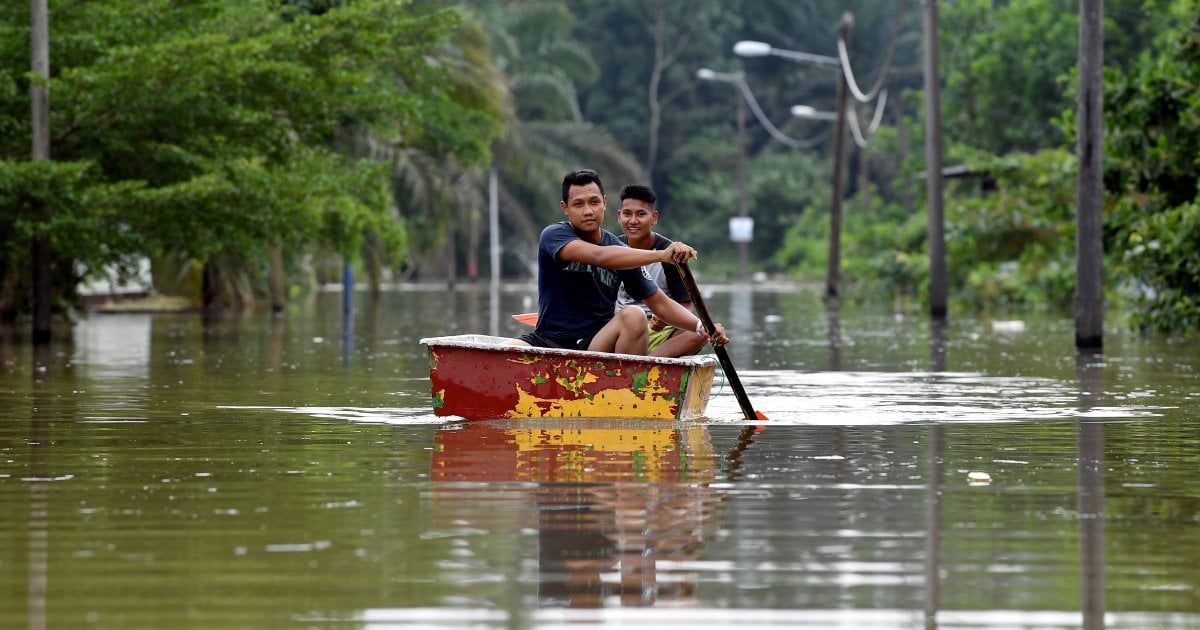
(520, 58)
(545, 135)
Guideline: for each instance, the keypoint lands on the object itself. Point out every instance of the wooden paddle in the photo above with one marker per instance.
(726, 364)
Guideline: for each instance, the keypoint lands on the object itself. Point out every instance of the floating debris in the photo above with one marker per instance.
(977, 478)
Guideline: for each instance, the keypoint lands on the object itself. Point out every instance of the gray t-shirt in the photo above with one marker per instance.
(667, 278)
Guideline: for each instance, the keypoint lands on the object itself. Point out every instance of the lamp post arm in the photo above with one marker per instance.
(809, 58)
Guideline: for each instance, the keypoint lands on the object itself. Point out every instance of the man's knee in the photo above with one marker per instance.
(632, 318)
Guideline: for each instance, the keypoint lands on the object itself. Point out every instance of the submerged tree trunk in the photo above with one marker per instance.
(10, 283)
(278, 293)
(213, 297)
(451, 259)
(374, 262)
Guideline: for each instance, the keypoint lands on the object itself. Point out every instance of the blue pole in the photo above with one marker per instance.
(347, 310)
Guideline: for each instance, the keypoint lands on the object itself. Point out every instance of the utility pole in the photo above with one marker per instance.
(743, 246)
(1089, 189)
(933, 166)
(39, 48)
(839, 167)
(494, 250)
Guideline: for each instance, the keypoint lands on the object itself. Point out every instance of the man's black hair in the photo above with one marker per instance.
(640, 193)
(581, 177)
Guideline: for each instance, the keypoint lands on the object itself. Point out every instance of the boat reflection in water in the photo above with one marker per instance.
(616, 501)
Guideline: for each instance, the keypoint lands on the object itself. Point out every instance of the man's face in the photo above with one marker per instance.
(637, 218)
(584, 207)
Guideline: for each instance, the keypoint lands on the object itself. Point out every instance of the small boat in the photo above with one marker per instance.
(481, 377)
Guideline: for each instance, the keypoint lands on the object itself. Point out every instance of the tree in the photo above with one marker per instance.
(208, 126)
(1153, 117)
(1008, 66)
(541, 69)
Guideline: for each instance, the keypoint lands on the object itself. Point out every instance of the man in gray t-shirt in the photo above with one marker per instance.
(637, 216)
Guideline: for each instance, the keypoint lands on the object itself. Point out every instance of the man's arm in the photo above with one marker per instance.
(613, 257)
(679, 316)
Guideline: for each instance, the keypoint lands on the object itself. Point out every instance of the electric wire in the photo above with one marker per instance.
(861, 139)
(848, 72)
(806, 143)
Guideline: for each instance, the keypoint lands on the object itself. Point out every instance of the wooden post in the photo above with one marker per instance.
(933, 166)
(1089, 189)
(839, 168)
(39, 48)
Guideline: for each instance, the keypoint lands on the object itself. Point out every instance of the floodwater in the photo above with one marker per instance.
(162, 471)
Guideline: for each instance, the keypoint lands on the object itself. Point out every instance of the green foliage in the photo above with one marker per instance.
(883, 255)
(334, 127)
(1153, 140)
(1005, 68)
(1160, 250)
(692, 122)
(540, 65)
(1014, 245)
(786, 193)
(218, 118)
(1009, 66)
(31, 191)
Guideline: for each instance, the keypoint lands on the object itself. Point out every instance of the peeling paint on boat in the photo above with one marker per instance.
(484, 377)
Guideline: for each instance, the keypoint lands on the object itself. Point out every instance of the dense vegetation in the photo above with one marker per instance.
(216, 136)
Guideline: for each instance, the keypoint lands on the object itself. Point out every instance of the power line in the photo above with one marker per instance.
(844, 57)
(806, 143)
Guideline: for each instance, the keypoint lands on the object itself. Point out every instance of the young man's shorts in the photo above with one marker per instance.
(659, 337)
(545, 341)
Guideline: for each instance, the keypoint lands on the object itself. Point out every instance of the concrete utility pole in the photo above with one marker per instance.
(1089, 189)
(743, 253)
(933, 166)
(839, 169)
(494, 250)
(39, 48)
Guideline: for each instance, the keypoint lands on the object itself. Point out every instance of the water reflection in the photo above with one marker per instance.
(347, 341)
(833, 333)
(1090, 436)
(158, 470)
(939, 337)
(741, 323)
(39, 488)
(933, 533)
(114, 346)
(938, 331)
(614, 502)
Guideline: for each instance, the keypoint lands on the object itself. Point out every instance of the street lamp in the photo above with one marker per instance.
(706, 74)
(811, 113)
(748, 48)
(741, 227)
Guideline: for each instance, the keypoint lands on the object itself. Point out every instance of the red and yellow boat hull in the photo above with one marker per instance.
(480, 377)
